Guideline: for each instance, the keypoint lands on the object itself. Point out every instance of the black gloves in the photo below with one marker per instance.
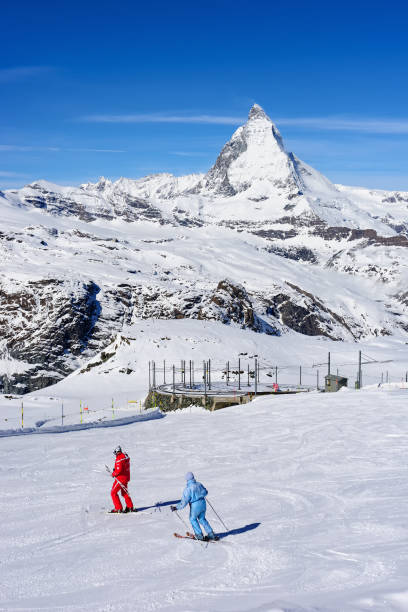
(173, 508)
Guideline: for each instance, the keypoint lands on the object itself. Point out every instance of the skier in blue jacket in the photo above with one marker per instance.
(194, 494)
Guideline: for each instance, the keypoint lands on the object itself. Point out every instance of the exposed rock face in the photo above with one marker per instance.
(295, 253)
(306, 314)
(79, 204)
(228, 303)
(217, 179)
(46, 324)
(341, 233)
(231, 303)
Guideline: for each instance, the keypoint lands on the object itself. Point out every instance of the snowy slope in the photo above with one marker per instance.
(312, 490)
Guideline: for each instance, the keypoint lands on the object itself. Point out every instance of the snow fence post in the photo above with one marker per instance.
(205, 383)
(22, 415)
(239, 374)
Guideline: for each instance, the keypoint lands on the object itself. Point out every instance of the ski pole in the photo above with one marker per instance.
(187, 527)
(118, 481)
(217, 515)
(182, 520)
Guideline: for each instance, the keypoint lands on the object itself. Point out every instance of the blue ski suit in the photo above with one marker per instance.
(194, 494)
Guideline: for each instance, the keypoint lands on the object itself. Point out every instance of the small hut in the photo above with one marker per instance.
(333, 382)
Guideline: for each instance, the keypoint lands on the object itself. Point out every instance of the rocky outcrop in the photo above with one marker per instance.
(227, 303)
(230, 303)
(370, 235)
(295, 253)
(45, 324)
(78, 203)
(306, 314)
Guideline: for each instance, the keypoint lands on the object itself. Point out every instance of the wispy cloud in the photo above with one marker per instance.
(17, 73)
(164, 118)
(373, 126)
(8, 174)
(96, 150)
(19, 148)
(24, 149)
(189, 153)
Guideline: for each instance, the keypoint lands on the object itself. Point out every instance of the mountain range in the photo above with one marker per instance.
(262, 241)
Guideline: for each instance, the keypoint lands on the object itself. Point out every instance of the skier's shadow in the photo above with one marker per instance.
(160, 505)
(249, 527)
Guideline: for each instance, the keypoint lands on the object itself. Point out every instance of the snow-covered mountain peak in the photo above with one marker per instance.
(254, 160)
(257, 112)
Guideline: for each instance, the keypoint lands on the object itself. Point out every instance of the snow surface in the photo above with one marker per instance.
(312, 489)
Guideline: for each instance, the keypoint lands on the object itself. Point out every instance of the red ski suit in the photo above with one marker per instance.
(121, 474)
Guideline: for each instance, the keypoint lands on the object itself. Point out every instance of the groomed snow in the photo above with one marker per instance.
(313, 489)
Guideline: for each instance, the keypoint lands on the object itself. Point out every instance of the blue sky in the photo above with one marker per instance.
(93, 88)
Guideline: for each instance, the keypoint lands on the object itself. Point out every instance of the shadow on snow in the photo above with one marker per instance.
(160, 505)
(237, 531)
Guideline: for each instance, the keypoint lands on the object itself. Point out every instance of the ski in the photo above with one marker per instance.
(186, 537)
(191, 536)
(206, 538)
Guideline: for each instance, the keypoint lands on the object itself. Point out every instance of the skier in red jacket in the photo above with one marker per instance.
(121, 474)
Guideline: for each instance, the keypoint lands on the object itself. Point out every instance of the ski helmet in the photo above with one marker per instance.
(117, 450)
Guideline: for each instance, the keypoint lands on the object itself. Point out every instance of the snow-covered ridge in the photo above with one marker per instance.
(253, 178)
